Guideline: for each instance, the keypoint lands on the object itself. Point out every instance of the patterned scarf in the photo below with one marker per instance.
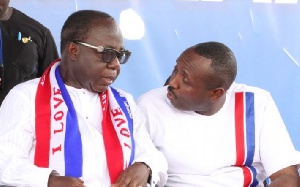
(58, 137)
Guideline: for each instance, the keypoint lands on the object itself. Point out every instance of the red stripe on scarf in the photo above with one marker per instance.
(43, 119)
(114, 153)
(247, 176)
(240, 137)
(239, 129)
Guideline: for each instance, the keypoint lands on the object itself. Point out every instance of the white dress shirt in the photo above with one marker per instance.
(201, 150)
(17, 140)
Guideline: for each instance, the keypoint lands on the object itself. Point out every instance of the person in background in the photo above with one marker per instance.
(26, 48)
(70, 128)
(215, 132)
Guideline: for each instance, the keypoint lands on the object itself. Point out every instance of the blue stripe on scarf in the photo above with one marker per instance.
(250, 134)
(250, 128)
(254, 173)
(73, 144)
(126, 109)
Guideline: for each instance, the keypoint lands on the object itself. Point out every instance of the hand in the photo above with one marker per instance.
(62, 181)
(287, 177)
(135, 175)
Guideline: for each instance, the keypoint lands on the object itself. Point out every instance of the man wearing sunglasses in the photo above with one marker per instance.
(70, 127)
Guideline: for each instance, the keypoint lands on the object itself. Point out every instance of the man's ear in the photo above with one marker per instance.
(217, 93)
(73, 50)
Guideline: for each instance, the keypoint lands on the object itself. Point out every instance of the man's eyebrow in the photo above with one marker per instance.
(112, 47)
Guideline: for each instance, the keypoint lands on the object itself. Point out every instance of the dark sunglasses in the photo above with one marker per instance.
(109, 54)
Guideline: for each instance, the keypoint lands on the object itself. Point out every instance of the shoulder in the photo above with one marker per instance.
(155, 99)
(28, 87)
(24, 19)
(261, 97)
(258, 92)
(22, 93)
(123, 93)
(154, 94)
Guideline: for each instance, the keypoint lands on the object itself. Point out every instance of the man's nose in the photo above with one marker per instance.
(115, 64)
(174, 82)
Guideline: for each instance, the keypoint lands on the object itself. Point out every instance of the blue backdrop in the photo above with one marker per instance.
(263, 34)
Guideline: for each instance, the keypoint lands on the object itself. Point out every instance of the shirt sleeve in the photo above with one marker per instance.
(147, 152)
(277, 150)
(17, 142)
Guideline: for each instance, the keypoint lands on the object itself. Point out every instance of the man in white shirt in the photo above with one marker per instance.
(214, 132)
(70, 127)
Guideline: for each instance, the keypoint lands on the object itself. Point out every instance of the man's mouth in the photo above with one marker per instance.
(171, 96)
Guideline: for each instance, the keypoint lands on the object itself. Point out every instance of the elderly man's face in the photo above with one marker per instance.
(91, 71)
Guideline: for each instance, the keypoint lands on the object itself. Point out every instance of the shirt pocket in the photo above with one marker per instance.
(25, 57)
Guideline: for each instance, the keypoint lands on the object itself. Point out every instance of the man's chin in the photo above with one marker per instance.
(178, 106)
(174, 104)
(99, 89)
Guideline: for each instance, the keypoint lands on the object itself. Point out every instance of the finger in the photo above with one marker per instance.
(120, 178)
(80, 182)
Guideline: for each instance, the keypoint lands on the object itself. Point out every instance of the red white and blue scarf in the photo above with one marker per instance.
(245, 136)
(58, 138)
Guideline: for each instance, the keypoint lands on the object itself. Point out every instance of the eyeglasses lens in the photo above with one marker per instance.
(109, 55)
(122, 57)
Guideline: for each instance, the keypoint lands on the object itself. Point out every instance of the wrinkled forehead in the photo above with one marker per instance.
(187, 56)
(107, 31)
(108, 23)
(194, 62)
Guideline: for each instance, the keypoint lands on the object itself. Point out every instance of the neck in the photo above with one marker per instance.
(68, 77)
(7, 14)
(215, 107)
